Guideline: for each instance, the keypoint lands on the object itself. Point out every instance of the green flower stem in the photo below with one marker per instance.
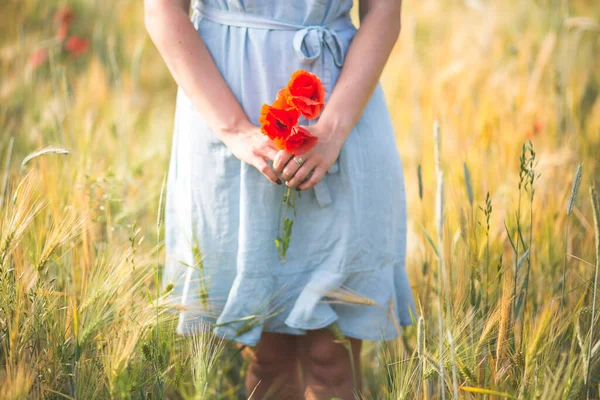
(284, 233)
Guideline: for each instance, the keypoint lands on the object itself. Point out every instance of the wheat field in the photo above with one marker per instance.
(497, 117)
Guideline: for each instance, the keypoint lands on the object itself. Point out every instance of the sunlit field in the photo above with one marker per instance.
(497, 116)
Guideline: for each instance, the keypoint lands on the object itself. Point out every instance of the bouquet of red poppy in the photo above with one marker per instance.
(304, 96)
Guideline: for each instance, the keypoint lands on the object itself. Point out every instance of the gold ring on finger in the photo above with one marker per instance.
(299, 161)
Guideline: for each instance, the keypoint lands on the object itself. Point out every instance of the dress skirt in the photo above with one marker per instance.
(346, 260)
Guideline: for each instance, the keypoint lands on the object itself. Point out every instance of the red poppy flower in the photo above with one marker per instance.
(281, 101)
(38, 57)
(76, 45)
(277, 123)
(300, 141)
(64, 16)
(306, 92)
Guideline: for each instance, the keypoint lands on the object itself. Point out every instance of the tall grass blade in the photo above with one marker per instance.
(420, 179)
(11, 143)
(439, 222)
(468, 183)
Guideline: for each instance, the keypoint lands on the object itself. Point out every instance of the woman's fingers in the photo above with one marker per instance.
(316, 176)
(266, 170)
(269, 152)
(301, 173)
(281, 160)
(290, 170)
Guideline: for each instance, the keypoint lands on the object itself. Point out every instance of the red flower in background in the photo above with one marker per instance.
(64, 15)
(277, 123)
(38, 57)
(63, 18)
(300, 141)
(306, 92)
(535, 130)
(76, 45)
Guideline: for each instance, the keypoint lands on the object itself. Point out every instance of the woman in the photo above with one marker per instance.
(345, 264)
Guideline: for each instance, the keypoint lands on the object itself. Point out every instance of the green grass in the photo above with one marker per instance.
(504, 265)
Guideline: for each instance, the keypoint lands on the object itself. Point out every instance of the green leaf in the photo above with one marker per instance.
(512, 244)
(150, 298)
(430, 240)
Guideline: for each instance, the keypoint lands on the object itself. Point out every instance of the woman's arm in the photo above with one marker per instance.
(194, 70)
(367, 54)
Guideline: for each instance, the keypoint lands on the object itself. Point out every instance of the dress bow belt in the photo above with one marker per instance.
(308, 43)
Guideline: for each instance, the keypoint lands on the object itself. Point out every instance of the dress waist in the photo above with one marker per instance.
(308, 42)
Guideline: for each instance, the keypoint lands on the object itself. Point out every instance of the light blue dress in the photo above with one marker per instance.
(346, 260)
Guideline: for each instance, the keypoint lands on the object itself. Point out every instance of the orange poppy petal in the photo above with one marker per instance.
(281, 101)
(280, 143)
(277, 122)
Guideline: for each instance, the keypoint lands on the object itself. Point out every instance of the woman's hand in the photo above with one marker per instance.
(251, 146)
(319, 159)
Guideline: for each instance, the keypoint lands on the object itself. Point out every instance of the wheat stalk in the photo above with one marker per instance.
(596, 210)
(530, 180)
(574, 191)
(42, 152)
(60, 233)
(161, 204)
(11, 142)
(453, 357)
(421, 353)
(205, 350)
(505, 307)
(25, 206)
(439, 219)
